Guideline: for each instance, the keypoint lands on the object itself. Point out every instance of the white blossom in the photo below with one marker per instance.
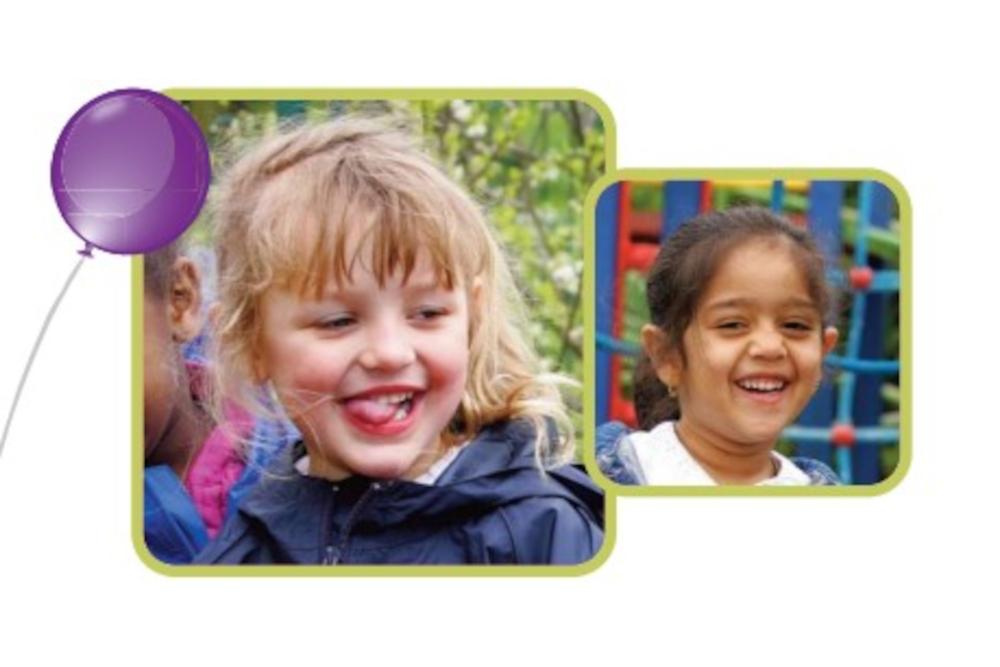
(461, 110)
(565, 277)
(576, 336)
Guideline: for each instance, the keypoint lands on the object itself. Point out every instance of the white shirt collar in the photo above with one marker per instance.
(666, 461)
(429, 478)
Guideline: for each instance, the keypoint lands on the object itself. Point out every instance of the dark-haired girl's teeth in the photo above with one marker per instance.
(762, 386)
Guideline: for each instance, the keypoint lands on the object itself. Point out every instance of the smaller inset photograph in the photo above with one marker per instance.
(751, 331)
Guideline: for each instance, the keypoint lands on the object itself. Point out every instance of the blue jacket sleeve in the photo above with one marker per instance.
(551, 531)
(173, 529)
(616, 456)
(820, 474)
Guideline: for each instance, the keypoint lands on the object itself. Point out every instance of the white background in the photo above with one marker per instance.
(909, 576)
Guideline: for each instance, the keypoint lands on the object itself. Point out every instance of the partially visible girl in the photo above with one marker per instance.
(740, 313)
(364, 290)
(194, 473)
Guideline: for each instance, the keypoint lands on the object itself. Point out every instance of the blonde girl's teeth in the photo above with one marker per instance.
(393, 398)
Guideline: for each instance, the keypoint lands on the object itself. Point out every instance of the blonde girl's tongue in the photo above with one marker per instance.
(375, 411)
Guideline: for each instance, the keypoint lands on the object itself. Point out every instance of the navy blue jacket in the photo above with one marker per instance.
(492, 505)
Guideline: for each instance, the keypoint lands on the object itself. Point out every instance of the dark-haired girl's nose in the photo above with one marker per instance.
(767, 344)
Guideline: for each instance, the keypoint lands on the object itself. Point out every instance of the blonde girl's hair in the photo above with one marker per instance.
(282, 216)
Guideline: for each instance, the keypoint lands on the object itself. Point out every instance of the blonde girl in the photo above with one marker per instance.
(365, 291)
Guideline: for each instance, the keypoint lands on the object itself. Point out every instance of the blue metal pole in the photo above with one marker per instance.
(877, 203)
(825, 201)
(605, 270)
(778, 197)
(681, 202)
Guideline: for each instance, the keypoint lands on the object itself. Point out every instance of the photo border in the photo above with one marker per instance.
(612, 488)
(415, 94)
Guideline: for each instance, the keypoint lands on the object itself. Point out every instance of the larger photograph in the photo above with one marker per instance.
(368, 349)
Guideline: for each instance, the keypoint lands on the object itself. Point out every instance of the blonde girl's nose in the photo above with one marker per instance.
(387, 348)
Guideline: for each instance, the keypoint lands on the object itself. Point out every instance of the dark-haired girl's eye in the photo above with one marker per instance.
(730, 325)
(799, 325)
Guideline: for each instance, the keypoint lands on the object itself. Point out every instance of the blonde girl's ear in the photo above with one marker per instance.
(475, 304)
(184, 300)
(663, 356)
(830, 337)
(259, 367)
(476, 295)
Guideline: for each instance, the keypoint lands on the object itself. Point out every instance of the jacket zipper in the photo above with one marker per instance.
(328, 524)
(335, 552)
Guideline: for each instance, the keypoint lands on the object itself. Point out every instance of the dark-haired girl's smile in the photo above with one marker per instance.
(753, 352)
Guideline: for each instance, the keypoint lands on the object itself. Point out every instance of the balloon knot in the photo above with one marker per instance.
(87, 250)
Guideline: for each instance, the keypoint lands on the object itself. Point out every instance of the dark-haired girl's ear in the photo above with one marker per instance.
(663, 356)
(184, 300)
(830, 337)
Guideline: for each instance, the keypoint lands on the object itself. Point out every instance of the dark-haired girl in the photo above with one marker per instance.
(740, 325)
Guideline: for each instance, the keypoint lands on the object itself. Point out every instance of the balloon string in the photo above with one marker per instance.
(34, 350)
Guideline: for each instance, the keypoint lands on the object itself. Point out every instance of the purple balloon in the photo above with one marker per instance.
(130, 171)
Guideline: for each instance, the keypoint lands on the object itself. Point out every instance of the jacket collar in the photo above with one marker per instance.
(495, 469)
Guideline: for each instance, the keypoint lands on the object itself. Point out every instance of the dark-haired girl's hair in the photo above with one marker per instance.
(157, 269)
(683, 269)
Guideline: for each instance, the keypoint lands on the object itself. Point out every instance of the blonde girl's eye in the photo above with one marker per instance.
(429, 313)
(336, 322)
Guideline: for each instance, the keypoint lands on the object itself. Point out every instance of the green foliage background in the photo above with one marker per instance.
(529, 165)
